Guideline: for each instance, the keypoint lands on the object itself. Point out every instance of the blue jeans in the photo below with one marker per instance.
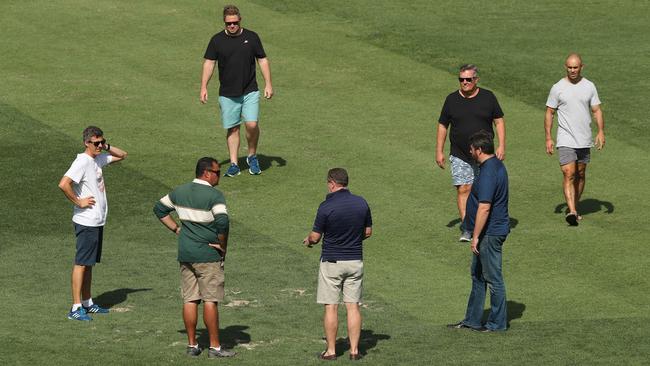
(486, 271)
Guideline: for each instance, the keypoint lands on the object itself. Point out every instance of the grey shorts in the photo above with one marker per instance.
(89, 244)
(462, 172)
(571, 155)
(341, 276)
(202, 281)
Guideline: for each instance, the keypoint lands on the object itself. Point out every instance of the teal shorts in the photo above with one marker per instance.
(236, 109)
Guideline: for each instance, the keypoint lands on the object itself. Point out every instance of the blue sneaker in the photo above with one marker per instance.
(95, 309)
(232, 171)
(254, 165)
(79, 314)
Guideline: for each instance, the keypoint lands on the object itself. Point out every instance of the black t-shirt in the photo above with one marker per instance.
(468, 116)
(235, 56)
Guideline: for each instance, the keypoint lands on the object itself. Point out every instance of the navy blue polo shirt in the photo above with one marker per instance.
(491, 186)
(342, 219)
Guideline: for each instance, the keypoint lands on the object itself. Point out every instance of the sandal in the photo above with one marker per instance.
(323, 356)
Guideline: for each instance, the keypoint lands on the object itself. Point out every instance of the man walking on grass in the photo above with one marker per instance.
(83, 184)
(202, 247)
(575, 99)
(487, 218)
(235, 49)
(467, 111)
(343, 221)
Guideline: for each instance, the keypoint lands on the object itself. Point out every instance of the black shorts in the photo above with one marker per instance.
(89, 244)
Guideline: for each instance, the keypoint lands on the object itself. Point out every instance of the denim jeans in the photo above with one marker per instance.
(486, 272)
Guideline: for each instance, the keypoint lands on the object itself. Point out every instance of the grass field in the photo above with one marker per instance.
(359, 85)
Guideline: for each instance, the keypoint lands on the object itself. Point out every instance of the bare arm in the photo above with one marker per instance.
(265, 67)
(441, 136)
(206, 75)
(117, 153)
(66, 186)
(367, 233)
(600, 123)
(222, 245)
(500, 125)
(548, 125)
(481, 218)
(171, 224)
(312, 238)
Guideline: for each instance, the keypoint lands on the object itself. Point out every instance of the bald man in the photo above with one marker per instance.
(575, 99)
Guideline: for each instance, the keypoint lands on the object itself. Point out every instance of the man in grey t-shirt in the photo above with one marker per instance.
(574, 98)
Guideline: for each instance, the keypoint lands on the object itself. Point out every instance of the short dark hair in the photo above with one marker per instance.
(338, 176)
(482, 140)
(205, 163)
(91, 131)
(468, 67)
(230, 10)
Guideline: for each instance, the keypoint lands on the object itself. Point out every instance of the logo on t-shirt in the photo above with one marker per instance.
(245, 41)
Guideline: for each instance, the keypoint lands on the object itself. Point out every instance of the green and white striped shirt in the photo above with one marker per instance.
(203, 214)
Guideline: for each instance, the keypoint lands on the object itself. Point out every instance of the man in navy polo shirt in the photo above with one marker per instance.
(344, 221)
(487, 218)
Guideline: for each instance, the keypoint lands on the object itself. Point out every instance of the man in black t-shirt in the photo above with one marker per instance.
(467, 111)
(236, 49)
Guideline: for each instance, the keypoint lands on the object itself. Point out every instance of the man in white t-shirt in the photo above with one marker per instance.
(575, 99)
(83, 185)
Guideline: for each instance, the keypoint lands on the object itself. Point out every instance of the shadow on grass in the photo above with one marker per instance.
(265, 161)
(588, 206)
(111, 298)
(515, 311)
(229, 337)
(368, 340)
(513, 222)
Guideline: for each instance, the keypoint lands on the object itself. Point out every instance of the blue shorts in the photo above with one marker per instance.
(89, 244)
(236, 109)
(462, 172)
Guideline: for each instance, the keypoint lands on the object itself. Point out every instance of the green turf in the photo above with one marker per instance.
(357, 85)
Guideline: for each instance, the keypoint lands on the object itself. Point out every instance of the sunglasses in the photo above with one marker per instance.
(232, 23)
(97, 143)
(469, 80)
(217, 172)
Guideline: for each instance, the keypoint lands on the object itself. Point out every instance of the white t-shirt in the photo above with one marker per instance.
(573, 103)
(88, 178)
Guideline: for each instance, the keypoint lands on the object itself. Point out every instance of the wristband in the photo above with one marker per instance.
(108, 146)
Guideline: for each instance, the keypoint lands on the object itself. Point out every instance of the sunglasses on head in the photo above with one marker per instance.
(97, 143)
(232, 23)
(469, 80)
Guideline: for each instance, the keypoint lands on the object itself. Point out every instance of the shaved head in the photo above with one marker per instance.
(573, 58)
(573, 66)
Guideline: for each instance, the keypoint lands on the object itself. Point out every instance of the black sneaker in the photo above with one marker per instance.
(193, 351)
(459, 325)
(213, 353)
(572, 219)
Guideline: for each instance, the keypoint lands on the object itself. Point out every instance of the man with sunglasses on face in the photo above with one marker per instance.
(202, 243)
(83, 185)
(235, 49)
(467, 111)
(575, 99)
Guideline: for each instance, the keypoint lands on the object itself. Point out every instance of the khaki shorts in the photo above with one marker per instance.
(345, 276)
(202, 281)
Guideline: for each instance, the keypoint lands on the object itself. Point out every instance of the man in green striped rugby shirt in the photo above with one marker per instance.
(202, 243)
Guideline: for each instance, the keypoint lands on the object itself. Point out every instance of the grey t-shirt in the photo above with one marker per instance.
(573, 103)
